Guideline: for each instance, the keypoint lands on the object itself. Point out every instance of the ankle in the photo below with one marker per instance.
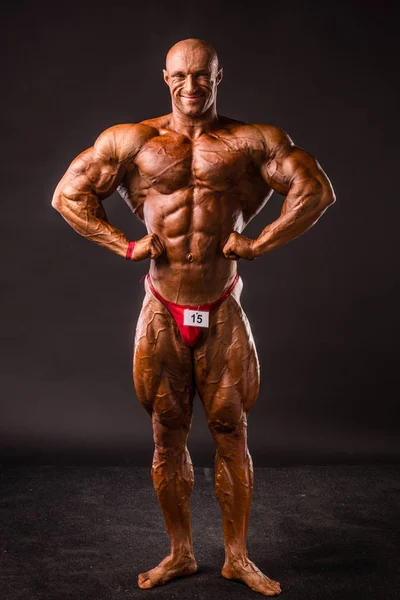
(236, 556)
(182, 551)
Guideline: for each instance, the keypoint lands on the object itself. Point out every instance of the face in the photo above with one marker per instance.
(192, 77)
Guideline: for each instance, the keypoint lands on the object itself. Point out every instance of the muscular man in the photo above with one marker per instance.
(196, 179)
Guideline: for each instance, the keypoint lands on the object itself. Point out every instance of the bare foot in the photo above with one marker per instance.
(246, 571)
(168, 568)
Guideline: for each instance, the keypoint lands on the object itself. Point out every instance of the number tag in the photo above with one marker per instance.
(195, 318)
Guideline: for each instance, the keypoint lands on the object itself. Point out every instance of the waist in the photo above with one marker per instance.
(184, 290)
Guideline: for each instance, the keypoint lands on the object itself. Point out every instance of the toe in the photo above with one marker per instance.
(274, 585)
(275, 590)
(144, 581)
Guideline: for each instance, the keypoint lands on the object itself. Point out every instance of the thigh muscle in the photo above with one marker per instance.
(226, 367)
(162, 368)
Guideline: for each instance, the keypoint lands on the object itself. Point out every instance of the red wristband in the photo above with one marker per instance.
(129, 252)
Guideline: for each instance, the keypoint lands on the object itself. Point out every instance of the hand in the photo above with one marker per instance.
(148, 247)
(239, 246)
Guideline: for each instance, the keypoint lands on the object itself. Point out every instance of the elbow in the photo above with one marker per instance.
(326, 200)
(57, 202)
(330, 198)
(323, 193)
(316, 206)
(328, 195)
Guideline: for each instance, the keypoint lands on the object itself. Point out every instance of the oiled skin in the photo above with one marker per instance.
(195, 189)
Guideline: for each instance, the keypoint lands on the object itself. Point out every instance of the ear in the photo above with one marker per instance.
(165, 75)
(220, 75)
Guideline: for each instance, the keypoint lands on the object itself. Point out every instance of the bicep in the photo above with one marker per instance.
(98, 171)
(286, 166)
(297, 175)
(90, 175)
(284, 169)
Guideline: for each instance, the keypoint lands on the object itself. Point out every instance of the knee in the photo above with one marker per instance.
(218, 426)
(170, 433)
(164, 452)
(227, 421)
(171, 453)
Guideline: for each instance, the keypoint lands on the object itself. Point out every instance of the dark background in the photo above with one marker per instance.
(323, 309)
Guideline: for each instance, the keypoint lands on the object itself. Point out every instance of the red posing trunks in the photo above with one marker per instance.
(190, 334)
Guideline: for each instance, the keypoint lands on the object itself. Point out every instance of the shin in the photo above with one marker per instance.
(233, 484)
(172, 474)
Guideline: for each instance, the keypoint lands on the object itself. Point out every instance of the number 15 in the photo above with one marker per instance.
(196, 318)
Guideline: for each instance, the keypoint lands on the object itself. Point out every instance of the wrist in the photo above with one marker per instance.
(255, 248)
(129, 250)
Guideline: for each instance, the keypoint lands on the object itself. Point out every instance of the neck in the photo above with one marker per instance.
(193, 127)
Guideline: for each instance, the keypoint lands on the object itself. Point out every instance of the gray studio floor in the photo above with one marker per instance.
(85, 532)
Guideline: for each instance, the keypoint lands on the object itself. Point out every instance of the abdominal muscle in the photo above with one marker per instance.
(193, 226)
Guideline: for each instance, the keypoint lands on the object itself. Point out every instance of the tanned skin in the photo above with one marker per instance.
(196, 179)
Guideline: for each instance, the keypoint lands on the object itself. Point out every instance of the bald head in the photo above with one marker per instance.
(193, 48)
(192, 75)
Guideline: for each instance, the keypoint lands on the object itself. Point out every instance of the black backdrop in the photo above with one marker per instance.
(324, 308)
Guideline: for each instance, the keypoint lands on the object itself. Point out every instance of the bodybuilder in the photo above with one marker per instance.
(196, 179)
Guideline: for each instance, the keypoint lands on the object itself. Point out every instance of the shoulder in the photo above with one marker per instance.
(275, 140)
(269, 139)
(122, 142)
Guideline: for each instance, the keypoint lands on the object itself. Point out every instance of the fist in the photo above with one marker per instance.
(239, 246)
(148, 247)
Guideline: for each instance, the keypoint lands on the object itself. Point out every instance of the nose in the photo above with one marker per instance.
(190, 84)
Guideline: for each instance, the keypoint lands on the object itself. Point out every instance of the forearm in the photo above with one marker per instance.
(89, 219)
(299, 213)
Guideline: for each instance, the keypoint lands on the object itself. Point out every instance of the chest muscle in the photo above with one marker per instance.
(171, 162)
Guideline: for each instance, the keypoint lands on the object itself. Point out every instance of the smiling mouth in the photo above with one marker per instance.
(192, 97)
